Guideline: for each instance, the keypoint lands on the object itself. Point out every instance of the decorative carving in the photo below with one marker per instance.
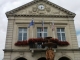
(30, 12)
(55, 13)
(35, 2)
(50, 54)
(21, 54)
(22, 12)
(48, 9)
(63, 53)
(34, 9)
(41, 12)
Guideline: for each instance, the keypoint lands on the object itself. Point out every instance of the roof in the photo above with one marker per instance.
(36, 1)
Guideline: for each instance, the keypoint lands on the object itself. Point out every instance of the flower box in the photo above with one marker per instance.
(21, 43)
(63, 43)
(31, 42)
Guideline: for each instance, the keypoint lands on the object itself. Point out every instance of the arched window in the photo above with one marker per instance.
(42, 58)
(64, 58)
(21, 58)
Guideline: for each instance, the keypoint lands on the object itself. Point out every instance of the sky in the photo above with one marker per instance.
(7, 5)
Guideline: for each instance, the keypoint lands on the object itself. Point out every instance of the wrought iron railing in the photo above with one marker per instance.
(40, 45)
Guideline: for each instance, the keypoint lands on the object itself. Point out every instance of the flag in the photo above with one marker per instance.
(42, 25)
(31, 24)
(52, 26)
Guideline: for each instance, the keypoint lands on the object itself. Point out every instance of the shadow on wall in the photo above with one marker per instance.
(42, 58)
(64, 58)
(21, 58)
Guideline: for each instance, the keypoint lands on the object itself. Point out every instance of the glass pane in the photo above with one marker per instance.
(20, 29)
(58, 34)
(25, 38)
(62, 29)
(63, 39)
(63, 36)
(45, 34)
(58, 29)
(39, 29)
(25, 34)
(59, 37)
(39, 35)
(25, 29)
(20, 38)
(20, 34)
(45, 29)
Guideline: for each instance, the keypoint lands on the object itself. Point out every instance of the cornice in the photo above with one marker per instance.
(16, 50)
(36, 1)
(25, 50)
(56, 16)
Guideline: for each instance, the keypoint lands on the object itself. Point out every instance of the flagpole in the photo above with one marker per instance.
(53, 29)
(53, 34)
(43, 29)
(32, 30)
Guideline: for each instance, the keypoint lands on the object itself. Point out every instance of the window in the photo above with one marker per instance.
(22, 34)
(41, 33)
(61, 34)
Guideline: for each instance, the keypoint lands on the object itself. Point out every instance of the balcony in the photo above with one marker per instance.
(40, 45)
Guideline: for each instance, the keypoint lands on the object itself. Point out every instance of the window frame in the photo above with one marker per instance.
(42, 31)
(60, 32)
(23, 34)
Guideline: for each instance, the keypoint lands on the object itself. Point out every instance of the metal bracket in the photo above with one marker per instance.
(32, 51)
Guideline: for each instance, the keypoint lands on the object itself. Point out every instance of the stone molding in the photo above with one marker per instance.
(25, 50)
(16, 50)
(36, 1)
(56, 16)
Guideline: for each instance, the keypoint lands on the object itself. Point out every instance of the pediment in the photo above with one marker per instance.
(32, 8)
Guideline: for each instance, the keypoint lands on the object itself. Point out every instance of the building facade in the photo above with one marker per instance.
(38, 11)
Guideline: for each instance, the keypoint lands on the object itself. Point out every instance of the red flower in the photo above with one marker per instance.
(21, 43)
(63, 43)
(54, 40)
(40, 40)
(34, 40)
(31, 40)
